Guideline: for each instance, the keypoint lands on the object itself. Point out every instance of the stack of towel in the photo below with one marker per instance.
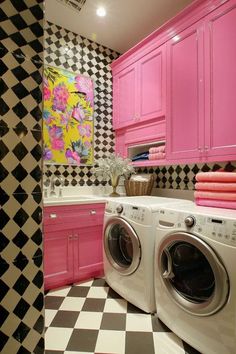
(216, 189)
(157, 153)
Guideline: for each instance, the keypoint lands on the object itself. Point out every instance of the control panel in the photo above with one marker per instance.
(138, 214)
(220, 229)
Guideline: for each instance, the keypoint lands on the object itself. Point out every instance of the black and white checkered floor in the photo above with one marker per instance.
(91, 318)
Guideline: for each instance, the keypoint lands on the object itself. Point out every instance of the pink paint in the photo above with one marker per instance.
(216, 176)
(72, 243)
(215, 195)
(216, 203)
(213, 186)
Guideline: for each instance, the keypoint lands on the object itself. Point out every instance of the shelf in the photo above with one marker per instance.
(154, 163)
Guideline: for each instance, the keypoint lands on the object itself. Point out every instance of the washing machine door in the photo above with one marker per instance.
(193, 274)
(122, 246)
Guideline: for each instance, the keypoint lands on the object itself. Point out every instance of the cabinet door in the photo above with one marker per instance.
(221, 81)
(124, 97)
(152, 84)
(120, 148)
(185, 100)
(58, 258)
(88, 260)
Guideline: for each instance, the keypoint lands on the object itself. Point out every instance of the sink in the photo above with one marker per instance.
(77, 199)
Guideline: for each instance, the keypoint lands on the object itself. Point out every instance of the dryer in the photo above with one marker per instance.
(129, 237)
(195, 276)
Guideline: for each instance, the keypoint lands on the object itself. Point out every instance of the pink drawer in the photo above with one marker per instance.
(146, 133)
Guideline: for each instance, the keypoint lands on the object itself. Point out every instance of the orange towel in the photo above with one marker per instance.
(220, 176)
(211, 186)
(157, 156)
(215, 195)
(216, 203)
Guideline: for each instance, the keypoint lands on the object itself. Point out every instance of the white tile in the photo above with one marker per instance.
(115, 305)
(49, 316)
(57, 338)
(86, 283)
(138, 322)
(66, 352)
(110, 342)
(98, 292)
(89, 320)
(167, 343)
(60, 292)
(72, 304)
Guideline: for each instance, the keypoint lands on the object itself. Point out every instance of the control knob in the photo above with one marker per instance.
(189, 221)
(119, 209)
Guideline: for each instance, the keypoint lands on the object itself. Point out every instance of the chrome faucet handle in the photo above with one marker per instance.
(61, 180)
(52, 186)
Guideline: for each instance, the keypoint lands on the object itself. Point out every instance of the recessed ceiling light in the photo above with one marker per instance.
(101, 11)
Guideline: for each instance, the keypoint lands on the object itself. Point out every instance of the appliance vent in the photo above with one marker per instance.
(75, 4)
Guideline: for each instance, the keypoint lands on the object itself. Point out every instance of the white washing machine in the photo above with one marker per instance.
(195, 276)
(129, 237)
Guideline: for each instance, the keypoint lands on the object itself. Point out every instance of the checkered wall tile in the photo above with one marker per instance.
(21, 283)
(183, 176)
(70, 51)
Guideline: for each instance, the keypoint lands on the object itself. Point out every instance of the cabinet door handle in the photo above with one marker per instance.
(76, 237)
(206, 148)
(93, 212)
(53, 216)
(70, 237)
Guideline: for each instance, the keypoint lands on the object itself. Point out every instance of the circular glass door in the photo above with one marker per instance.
(122, 246)
(193, 274)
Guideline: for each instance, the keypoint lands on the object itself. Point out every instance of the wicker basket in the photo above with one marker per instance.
(134, 188)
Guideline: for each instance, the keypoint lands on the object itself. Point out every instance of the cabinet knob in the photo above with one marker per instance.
(93, 212)
(206, 148)
(76, 237)
(53, 216)
(70, 237)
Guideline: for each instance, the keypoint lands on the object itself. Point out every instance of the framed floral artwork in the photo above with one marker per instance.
(67, 117)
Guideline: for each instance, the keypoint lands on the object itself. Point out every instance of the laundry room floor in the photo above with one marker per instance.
(91, 318)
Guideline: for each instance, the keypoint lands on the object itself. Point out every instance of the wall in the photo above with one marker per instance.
(70, 51)
(21, 283)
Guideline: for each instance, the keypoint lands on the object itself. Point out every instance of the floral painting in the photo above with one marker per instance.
(67, 117)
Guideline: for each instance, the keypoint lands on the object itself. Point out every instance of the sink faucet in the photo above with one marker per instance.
(61, 185)
(52, 186)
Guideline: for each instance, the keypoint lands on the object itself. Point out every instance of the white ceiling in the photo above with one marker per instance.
(126, 23)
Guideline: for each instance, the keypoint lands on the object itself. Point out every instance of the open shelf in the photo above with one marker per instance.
(139, 148)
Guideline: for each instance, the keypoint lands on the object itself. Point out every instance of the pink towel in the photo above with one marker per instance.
(220, 176)
(157, 156)
(215, 195)
(211, 186)
(160, 148)
(216, 203)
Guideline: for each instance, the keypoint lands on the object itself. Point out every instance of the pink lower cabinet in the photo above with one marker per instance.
(72, 243)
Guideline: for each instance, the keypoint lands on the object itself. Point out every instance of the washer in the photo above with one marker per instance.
(129, 237)
(195, 276)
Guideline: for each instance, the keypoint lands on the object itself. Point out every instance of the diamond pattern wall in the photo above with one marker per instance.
(21, 283)
(70, 51)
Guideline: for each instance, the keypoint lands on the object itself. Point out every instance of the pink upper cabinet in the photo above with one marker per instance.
(184, 94)
(124, 97)
(220, 30)
(139, 89)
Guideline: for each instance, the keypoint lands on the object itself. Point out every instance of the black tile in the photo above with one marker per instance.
(19, 173)
(39, 302)
(133, 309)
(96, 305)
(39, 349)
(113, 321)
(4, 241)
(21, 262)
(20, 91)
(21, 308)
(83, 340)
(139, 344)
(36, 174)
(39, 325)
(4, 288)
(21, 284)
(3, 315)
(20, 110)
(37, 215)
(21, 198)
(21, 332)
(78, 291)
(4, 108)
(20, 239)
(99, 282)
(20, 151)
(4, 219)
(53, 302)
(21, 217)
(38, 279)
(37, 237)
(23, 350)
(112, 294)
(66, 319)
(3, 340)
(3, 198)
(190, 350)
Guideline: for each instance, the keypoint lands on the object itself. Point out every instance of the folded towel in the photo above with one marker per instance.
(216, 203)
(220, 186)
(218, 176)
(157, 156)
(215, 195)
(160, 148)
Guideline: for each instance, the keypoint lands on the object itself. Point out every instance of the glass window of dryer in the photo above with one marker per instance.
(120, 245)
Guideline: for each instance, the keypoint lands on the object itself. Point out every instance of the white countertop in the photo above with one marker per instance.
(73, 200)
